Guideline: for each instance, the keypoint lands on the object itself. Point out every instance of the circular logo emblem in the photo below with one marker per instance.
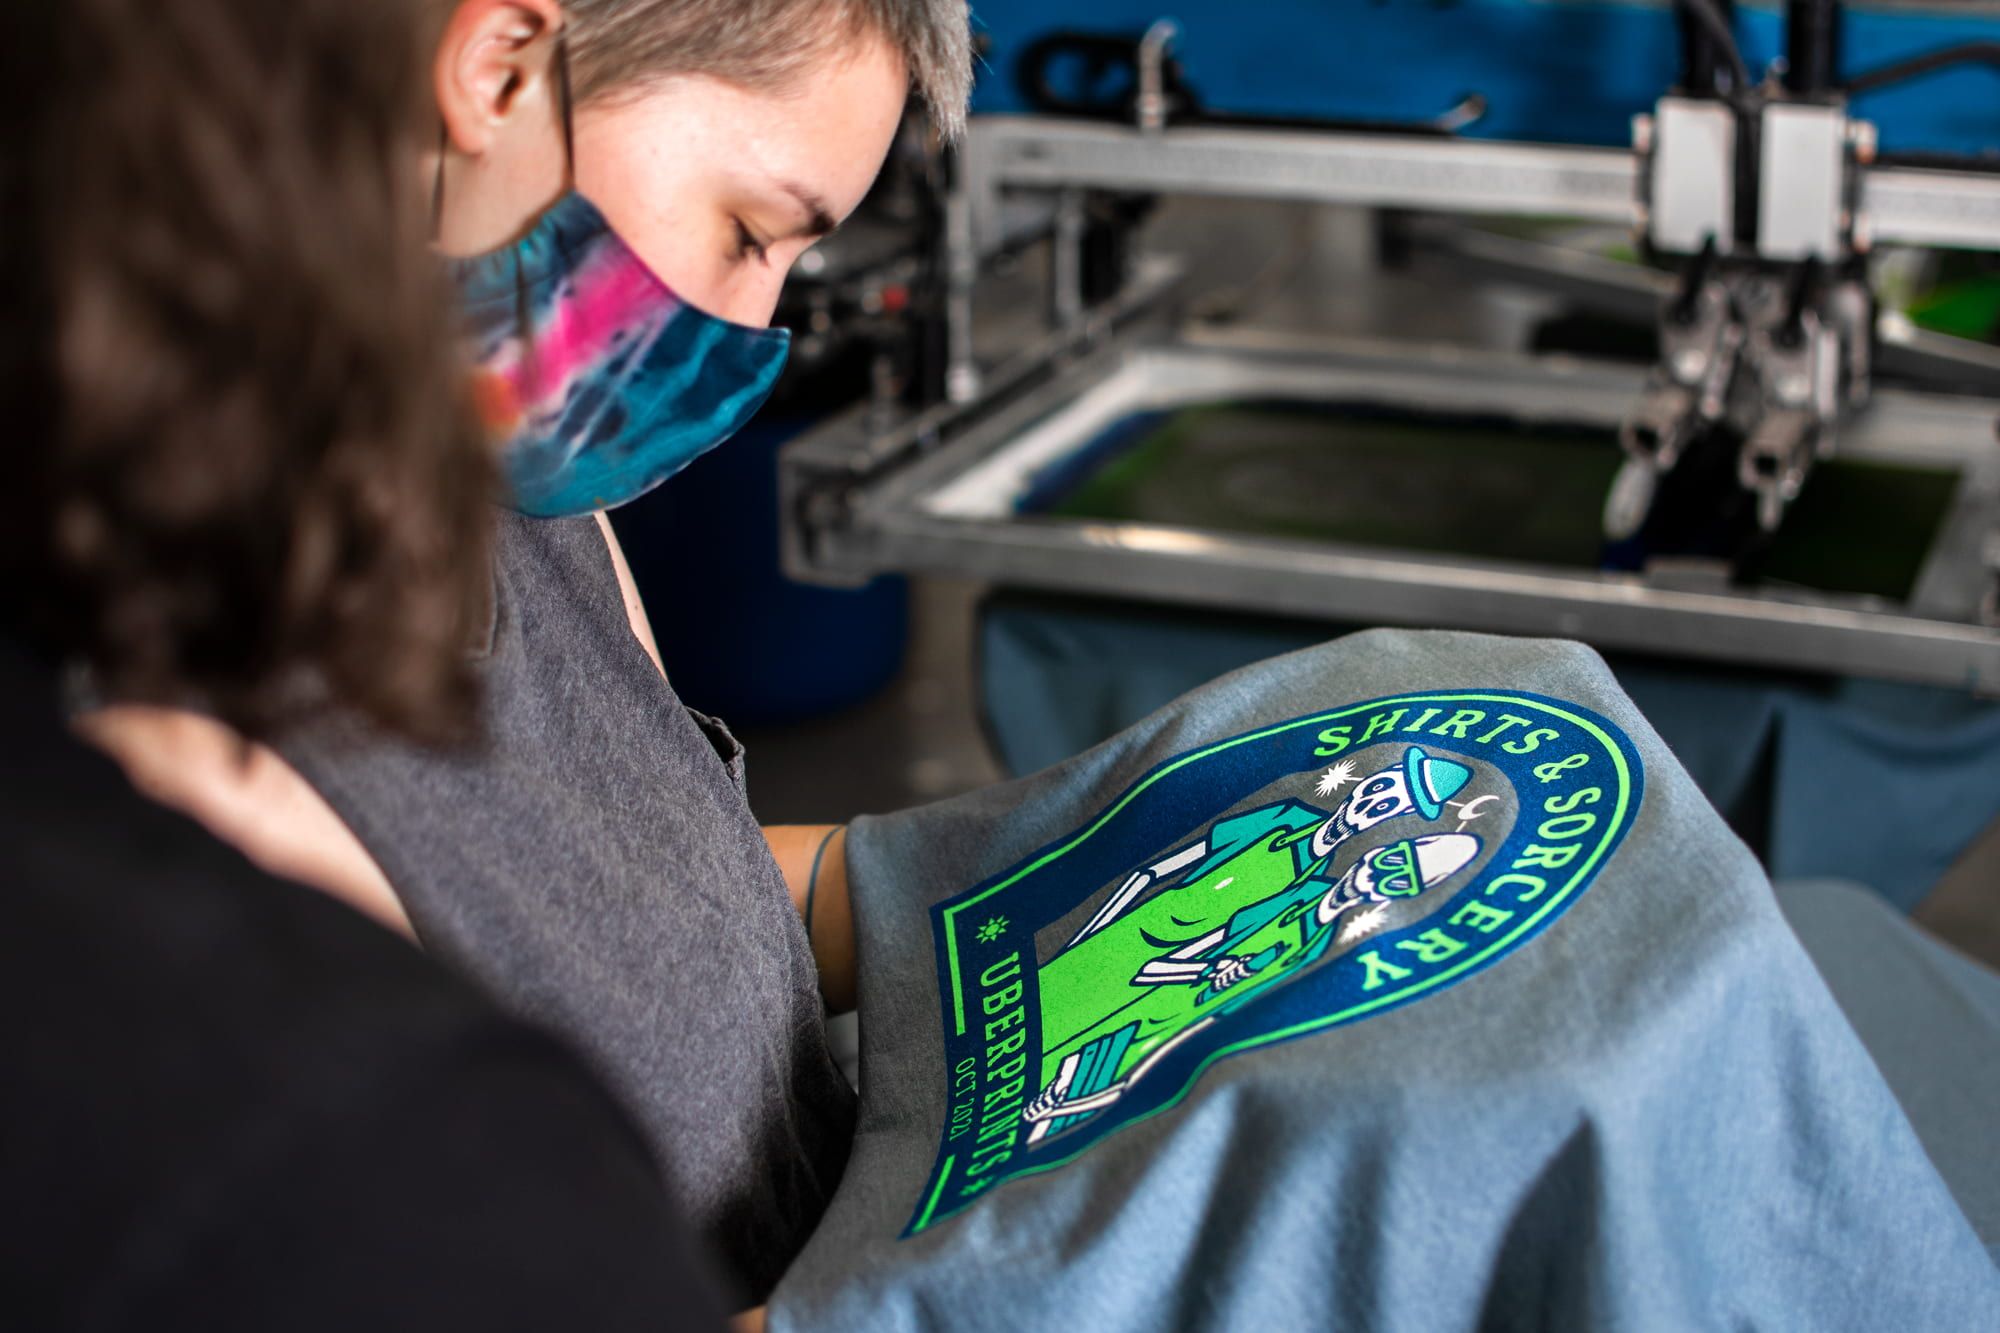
(1269, 886)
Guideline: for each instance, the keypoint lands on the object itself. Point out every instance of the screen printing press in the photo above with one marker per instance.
(1797, 477)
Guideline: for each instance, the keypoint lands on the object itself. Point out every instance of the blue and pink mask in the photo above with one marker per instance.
(598, 380)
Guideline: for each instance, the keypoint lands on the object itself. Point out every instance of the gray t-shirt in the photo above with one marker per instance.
(1403, 983)
(594, 865)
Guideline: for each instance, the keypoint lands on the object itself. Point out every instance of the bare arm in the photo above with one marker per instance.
(813, 858)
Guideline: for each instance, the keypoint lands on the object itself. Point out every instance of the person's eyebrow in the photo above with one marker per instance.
(819, 221)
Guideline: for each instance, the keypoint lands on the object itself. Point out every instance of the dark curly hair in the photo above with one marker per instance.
(243, 479)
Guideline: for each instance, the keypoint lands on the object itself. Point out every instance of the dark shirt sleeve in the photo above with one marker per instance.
(498, 1190)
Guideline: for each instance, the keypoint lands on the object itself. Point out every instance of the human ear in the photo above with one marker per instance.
(492, 53)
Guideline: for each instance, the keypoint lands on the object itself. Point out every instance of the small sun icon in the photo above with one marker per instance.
(994, 928)
(1335, 778)
(1365, 922)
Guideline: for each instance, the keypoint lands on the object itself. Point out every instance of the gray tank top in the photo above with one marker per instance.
(595, 866)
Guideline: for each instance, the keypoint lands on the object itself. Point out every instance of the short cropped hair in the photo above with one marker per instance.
(617, 46)
(241, 474)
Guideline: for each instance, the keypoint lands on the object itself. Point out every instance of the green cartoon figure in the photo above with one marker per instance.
(1245, 907)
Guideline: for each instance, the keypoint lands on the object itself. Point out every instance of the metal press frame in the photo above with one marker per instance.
(945, 508)
(862, 493)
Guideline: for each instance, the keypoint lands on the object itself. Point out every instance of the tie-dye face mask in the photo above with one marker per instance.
(600, 382)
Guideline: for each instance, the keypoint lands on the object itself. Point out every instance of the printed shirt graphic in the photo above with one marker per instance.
(1260, 889)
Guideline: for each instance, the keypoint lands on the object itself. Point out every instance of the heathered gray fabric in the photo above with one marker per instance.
(1650, 1116)
(1931, 1018)
(596, 867)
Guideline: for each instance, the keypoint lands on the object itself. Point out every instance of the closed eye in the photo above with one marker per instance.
(747, 244)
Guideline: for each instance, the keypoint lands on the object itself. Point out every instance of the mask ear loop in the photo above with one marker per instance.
(523, 315)
(437, 184)
(568, 120)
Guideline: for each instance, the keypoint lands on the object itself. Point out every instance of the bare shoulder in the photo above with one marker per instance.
(246, 795)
